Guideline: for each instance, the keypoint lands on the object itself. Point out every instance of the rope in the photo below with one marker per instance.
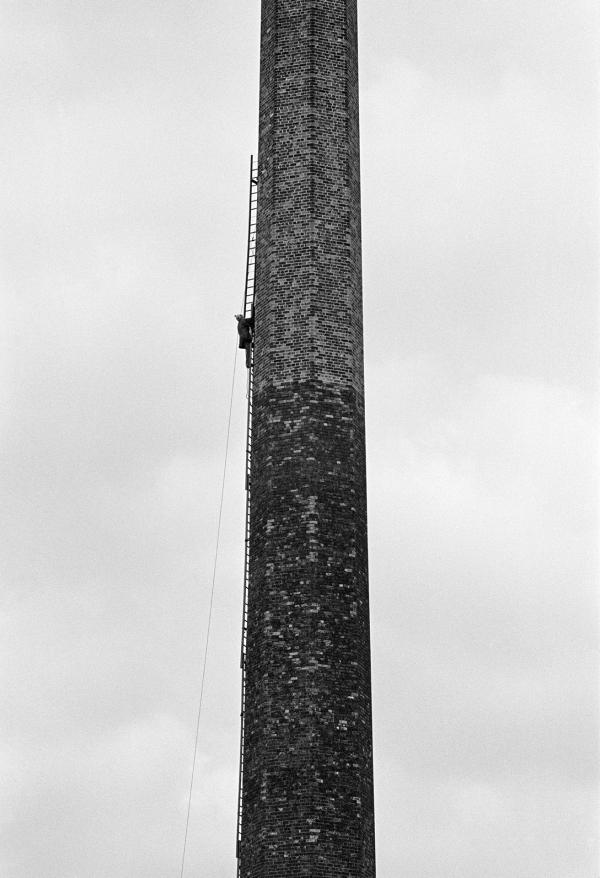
(210, 609)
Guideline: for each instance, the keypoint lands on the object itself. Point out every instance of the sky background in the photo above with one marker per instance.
(127, 129)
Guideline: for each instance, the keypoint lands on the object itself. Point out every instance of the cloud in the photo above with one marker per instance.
(481, 508)
(473, 43)
(495, 509)
(472, 827)
(108, 803)
(479, 224)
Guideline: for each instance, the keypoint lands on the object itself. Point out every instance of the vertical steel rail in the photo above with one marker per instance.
(248, 311)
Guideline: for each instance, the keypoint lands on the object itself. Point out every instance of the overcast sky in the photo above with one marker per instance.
(127, 129)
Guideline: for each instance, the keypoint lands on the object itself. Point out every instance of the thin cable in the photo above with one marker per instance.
(210, 608)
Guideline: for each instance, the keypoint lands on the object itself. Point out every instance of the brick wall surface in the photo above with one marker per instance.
(308, 781)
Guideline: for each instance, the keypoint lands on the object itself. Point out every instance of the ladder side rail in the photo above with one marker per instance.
(251, 237)
(248, 312)
(244, 616)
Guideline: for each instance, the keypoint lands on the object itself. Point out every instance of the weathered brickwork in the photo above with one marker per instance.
(308, 780)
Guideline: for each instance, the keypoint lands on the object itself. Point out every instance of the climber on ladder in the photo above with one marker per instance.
(245, 327)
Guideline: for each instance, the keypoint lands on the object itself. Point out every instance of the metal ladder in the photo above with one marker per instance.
(248, 311)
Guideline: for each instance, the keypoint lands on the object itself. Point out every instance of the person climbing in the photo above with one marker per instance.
(245, 327)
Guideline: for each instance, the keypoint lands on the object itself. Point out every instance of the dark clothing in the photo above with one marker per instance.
(245, 327)
(245, 331)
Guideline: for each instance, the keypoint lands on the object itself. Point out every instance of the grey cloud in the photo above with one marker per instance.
(475, 43)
